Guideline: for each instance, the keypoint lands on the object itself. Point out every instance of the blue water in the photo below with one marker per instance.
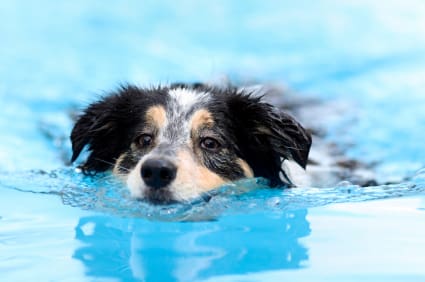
(366, 58)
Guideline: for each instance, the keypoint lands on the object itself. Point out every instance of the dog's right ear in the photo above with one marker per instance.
(105, 127)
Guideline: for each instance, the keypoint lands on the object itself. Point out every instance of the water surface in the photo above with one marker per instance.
(365, 58)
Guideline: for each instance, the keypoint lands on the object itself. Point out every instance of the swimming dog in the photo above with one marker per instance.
(174, 143)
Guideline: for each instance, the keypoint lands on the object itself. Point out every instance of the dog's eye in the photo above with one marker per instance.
(144, 140)
(210, 143)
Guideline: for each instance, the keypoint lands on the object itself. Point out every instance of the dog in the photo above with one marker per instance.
(175, 143)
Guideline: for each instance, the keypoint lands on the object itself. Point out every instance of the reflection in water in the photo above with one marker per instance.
(135, 249)
(105, 249)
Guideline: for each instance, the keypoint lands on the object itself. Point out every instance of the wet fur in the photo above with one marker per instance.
(256, 137)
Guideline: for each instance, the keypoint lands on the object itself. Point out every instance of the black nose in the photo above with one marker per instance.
(158, 173)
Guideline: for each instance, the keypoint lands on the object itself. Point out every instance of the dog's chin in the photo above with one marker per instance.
(161, 196)
(172, 194)
(165, 196)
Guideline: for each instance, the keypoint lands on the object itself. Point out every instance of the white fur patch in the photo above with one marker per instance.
(186, 98)
(135, 183)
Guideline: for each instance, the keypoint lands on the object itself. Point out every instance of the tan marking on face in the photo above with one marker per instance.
(157, 115)
(201, 118)
(193, 178)
(247, 170)
(208, 179)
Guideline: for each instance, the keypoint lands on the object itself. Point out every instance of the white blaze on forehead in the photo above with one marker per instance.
(186, 98)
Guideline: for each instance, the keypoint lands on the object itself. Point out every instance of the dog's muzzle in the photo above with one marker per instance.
(158, 172)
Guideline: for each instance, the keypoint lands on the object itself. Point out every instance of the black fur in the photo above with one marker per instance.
(265, 136)
(255, 131)
(262, 134)
(108, 126)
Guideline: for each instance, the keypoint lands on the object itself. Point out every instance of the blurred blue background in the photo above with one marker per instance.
(58, 56)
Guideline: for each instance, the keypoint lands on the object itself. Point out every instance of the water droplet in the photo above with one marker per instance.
(273, 202)
(346, 187)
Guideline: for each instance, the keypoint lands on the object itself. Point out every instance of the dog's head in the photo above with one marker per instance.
(175, 143)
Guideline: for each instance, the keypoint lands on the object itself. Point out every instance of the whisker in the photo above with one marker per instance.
(121, 167)
(113, 164)
(106, 162)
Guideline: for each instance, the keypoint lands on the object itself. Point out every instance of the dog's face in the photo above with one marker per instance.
(175, 143)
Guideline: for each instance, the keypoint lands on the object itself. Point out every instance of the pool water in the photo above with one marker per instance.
(366, 59)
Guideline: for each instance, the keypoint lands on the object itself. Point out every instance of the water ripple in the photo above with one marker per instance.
(103, 193)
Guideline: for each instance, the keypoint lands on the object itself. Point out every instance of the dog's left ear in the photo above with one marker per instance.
(287, 137)
(267, 134)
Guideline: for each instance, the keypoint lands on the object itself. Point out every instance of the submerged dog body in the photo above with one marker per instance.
(173, 143)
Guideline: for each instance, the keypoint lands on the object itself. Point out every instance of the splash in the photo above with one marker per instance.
(104, 193)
